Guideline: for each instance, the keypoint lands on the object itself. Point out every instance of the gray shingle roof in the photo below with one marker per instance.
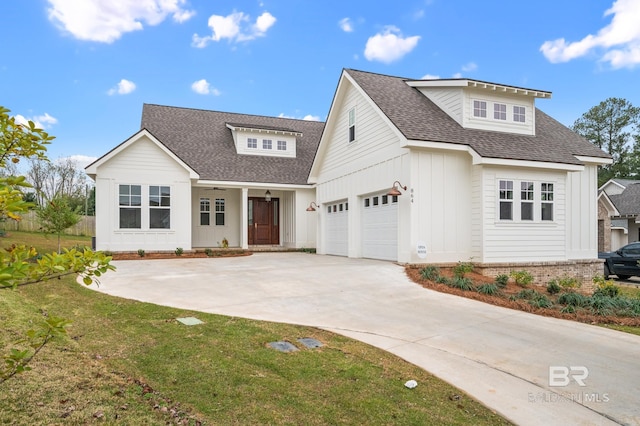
(628, 202)
(203, 141)
(418, 118)
(625, 182)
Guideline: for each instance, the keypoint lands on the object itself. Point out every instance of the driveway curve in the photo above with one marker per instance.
(500, 356)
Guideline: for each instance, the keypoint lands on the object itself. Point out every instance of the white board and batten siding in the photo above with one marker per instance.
(142, 163)
(354, 170)
(517, 240)
(582, 214)
(211, 236)
(441, 206)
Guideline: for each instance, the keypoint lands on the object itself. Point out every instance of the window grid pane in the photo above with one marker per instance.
(252, 143)
(220, 210)
(480, 109)
(518, 114)
(266, 144)
(282, 145)
(500, 111)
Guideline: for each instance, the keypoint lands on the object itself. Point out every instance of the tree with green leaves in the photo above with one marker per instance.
(22, 265)
(56, 216)
(609, 126)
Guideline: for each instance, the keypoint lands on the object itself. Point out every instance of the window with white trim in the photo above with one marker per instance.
(130, 202)
(205, 211)
(518, 114)
(220, 210)
(352, 124)
(252, 143)
(266, 143)
(500, 111)
(282, 145)
(480, 109)
(546, 204)
(159, 207)
(506, 200)
(526, 200)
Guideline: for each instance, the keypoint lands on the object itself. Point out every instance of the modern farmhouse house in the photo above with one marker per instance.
(414, 171)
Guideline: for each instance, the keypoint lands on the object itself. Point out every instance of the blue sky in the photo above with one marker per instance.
(83, 68)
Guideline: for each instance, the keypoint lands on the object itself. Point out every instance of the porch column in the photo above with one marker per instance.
(244, 231)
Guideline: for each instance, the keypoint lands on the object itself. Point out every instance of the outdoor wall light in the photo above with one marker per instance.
(311, 208)
(267, 195)
(394, 192)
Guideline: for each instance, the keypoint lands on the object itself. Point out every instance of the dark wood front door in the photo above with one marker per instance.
(263, 221)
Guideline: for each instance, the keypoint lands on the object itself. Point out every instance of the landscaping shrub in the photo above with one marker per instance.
(553, 287)
(489, 289)
(141, 252)
(540, 301)
(430, 273)
(442, 280)
(523, 278)
(179, 251)
(568, 282)
(574, 299)
(526, 294)
(502, 280)
(601, 305)
(462, 269)
(463, 283)
(605, 287)
(208, 252)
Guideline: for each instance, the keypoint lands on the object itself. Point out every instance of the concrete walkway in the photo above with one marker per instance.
(499, 356)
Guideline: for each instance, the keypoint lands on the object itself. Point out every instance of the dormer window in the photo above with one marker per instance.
(266, 143)
(499, 111)
(480, 109)
(270, 141)
(518, 114)
(252, 143)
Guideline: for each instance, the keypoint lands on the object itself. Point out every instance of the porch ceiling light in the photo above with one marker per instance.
(311, 208)
(267, 195)
(394, 192)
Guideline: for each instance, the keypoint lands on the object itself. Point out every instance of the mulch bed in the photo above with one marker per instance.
(185, 255)
(521, 305)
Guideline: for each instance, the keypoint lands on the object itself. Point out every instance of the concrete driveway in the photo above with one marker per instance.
(500, 356)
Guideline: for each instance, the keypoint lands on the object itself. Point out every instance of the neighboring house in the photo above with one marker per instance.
(489, 178)
(619, 205)
(478, 174)
(192, 178)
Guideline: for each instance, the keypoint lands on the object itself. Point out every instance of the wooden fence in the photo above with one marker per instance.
(29, 222)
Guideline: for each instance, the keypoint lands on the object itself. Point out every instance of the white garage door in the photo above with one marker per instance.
(380, 227)
(337, 227)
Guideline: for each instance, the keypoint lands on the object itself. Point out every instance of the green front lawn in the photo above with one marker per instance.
(125, 362)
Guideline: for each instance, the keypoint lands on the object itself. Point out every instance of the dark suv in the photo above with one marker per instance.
(622, 262)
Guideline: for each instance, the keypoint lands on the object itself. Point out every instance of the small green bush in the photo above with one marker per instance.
(430, 273)
(568, 282)
(553, 287)
(462, 283)
(605, 287)
(574, 299)
(442, 280)
(568, 309)
(488, 289)
(108, 253)
(141, 252)
(527, 294)
(462, 269)
(208, 252)
(179, 251)
(601, 305)
(502, 280)
(541, 301)
(522, 278)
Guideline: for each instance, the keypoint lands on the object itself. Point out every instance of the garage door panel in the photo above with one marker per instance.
(337, 229)
(380, 228)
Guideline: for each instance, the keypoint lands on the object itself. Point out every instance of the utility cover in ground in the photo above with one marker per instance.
(283, 346)
(189, 321)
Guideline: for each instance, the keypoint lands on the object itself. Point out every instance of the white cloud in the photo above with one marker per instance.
(307, 117)
(106, 21)
(124, 87)
(471, 66)
(346, 25)
(202, 87)
(430, 77)
(235, 27)
(389, 45)
(619, 41)
(40, 121)
(457, 75)
(81, 161)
